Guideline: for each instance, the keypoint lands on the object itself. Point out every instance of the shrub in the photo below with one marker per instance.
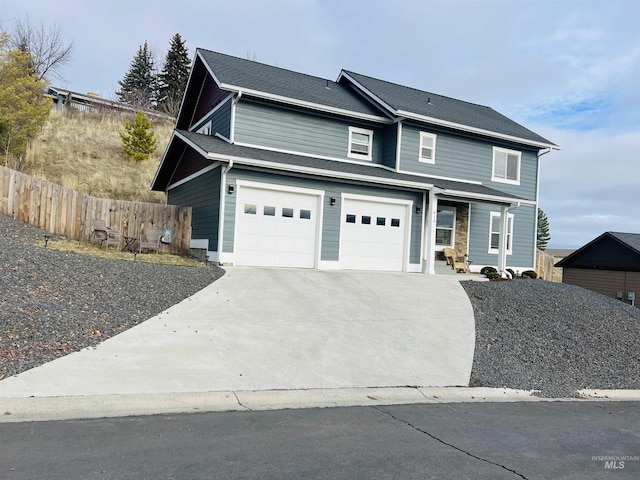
(529, 274)
(493, 275)
(512, 273)
(486, 270)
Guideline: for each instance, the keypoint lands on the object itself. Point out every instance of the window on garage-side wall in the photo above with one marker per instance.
(360, 143)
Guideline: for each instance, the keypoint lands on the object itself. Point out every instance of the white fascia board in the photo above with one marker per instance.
(302, 103)
(206, 65)
(480, 131)
(368, 93)
(316, 171)
(194, 175)
(439, 177)
(202, 152)
(486, 198)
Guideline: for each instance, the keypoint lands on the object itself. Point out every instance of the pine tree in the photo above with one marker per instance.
(543, 236)
(139, 85)
(138, 138)
(173, 79)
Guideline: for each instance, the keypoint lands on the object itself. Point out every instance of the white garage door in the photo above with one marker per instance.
(275, 228)
(373, 235)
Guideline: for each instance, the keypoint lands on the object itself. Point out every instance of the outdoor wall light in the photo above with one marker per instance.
(230, 189)
(332, 201)
(418, 210)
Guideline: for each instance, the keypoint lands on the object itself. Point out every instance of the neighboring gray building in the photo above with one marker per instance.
(609, 264)
(287, 169)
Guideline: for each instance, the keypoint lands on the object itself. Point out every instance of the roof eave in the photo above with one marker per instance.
(480, 131)
(486, 197)
(301, 103)
(162, 162)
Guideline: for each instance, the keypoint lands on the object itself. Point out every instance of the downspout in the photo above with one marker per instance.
(535, 231)
(234, 102)
(504, 228)
(223, 182)
(223, 176)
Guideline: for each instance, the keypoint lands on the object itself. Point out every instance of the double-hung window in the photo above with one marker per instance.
(506, 166)
(360, 143)
(427, 148)
(494, 233)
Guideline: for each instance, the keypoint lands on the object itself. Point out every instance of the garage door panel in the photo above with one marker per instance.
(373, 235)
(277, 235)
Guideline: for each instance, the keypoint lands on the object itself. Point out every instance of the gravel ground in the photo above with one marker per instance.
(551, 337)
(530, 334)
(53, 303)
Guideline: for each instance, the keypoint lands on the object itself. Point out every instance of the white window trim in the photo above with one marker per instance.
(493, 166)
(362, 131)
(432, 137)
(439, 248)
(510, 220)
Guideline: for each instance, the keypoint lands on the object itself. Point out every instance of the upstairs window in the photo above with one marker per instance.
(427, 148)
(506, 166)
(360, 143)
(494, 234)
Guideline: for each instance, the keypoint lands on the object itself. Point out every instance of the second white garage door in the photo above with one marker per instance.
(276, 228)
(373, 234)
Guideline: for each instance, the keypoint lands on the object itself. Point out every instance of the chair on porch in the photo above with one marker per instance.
(458, 263)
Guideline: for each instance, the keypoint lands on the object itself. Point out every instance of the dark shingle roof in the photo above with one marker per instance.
(630, 239)
(249, 74)
(446, 109)
(335, 168)
(625, 258)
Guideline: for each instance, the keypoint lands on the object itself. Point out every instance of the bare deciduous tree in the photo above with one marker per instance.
(48, 49)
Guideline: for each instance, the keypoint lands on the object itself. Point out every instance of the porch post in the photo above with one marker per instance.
(502, 247)
(432, 215)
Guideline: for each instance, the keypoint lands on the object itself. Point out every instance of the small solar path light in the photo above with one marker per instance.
(46, 239)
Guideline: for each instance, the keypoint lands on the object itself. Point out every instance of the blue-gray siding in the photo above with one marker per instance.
(389, 143)
(203, 195)
(523, 237)
(303, 132)
(331, 219)
(220, 120)
(466, 158)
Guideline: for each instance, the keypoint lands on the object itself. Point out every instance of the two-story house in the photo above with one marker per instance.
(291, 170)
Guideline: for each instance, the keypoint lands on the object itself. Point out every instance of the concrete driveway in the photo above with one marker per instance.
(272, 329)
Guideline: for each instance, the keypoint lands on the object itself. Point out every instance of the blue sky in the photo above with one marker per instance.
(569, 70)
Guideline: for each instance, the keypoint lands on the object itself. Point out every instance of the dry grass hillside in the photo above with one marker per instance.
(83, 151)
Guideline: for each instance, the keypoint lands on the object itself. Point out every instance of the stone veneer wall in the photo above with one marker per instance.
(462, 228)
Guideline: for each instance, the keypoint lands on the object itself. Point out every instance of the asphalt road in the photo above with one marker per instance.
(541, 440)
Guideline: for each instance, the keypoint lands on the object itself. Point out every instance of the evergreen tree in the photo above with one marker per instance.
(139, 85)
(138, 138)
(543, 236)
(23, 106)
(173, 79)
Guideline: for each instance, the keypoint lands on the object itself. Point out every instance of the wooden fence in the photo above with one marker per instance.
(65, 212)
(544, 265)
